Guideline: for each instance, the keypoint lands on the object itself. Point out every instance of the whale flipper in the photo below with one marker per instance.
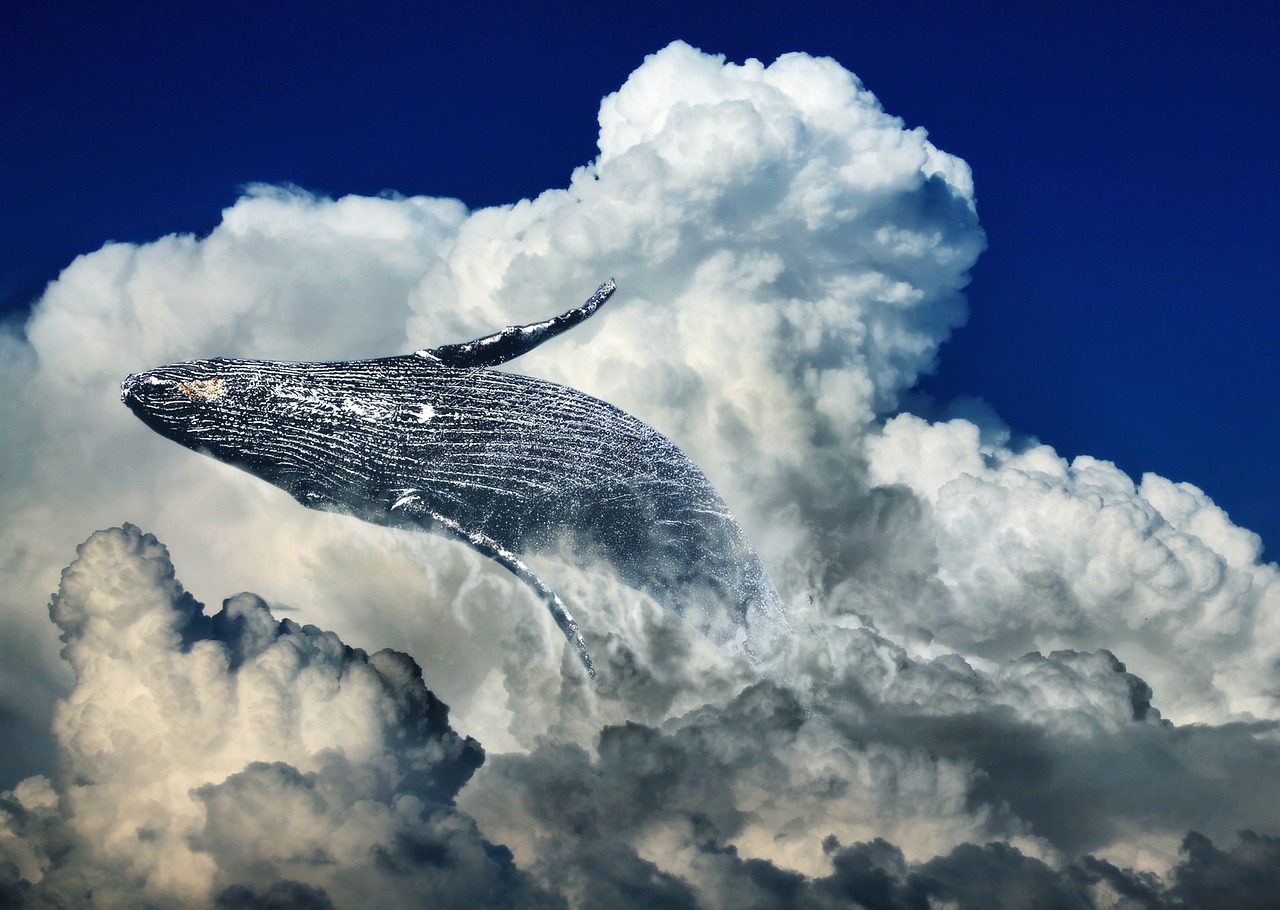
(515, 340)
(410, 506)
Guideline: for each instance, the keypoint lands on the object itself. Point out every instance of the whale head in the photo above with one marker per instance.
(191, 403)
(283, 422)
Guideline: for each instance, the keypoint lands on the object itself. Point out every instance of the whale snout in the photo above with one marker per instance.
(138, 387)
(128, 384)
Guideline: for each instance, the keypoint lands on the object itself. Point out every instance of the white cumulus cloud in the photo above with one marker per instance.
(207, 758)
(1034, 551)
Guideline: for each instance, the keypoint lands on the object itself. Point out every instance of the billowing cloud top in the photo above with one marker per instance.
(998, 653)
(185, 731)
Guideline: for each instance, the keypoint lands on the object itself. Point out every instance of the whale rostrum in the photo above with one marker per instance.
(507, 464)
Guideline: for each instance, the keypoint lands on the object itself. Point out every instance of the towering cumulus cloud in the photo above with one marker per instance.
(240, 757)
(1014, 679)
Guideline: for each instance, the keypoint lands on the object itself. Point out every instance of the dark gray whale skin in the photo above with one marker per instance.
(508, 464)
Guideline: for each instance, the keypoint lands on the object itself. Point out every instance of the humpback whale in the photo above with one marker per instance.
(507, 464)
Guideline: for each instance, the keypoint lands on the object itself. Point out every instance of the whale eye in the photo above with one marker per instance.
(207, 390)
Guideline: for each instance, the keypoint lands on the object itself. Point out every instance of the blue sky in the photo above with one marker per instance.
(1124, 157)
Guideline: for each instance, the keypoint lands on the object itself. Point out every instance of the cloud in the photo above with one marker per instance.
(1012, 677)
(242, 758)
(777, 292)
(236, 760)
(1032, 551)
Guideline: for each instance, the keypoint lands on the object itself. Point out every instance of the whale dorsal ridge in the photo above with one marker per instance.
(515, 340)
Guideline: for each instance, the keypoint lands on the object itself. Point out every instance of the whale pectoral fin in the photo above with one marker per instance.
(409, 505)
(515, 340)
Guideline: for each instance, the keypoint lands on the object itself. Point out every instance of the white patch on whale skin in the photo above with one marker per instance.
(426, 413)
(406, 498)
(366, 410)
(294, 398)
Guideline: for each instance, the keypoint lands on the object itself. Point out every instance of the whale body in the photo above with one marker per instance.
(508, 464)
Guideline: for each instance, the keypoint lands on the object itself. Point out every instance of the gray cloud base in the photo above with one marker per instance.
(235, 760)
(1013, 676)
